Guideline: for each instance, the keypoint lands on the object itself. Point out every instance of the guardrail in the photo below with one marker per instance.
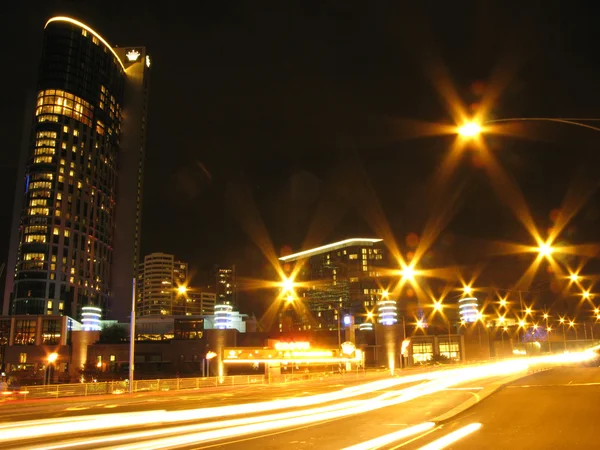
(168, 384)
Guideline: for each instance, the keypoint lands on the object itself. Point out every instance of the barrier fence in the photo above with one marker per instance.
(169, 384)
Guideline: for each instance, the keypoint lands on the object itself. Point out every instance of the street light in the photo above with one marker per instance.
(209, 355)
(51, 358)
(473, 129)
(470, 129)
(182, 290)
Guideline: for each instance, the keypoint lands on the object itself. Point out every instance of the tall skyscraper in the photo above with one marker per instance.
(159, 278)
(76, 230)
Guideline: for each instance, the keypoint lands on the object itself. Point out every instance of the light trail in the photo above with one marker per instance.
(392, 437)
(451, 438)
(195, 427)
(219, 429)
(49, 427)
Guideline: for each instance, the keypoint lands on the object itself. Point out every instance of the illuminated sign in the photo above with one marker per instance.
(292, 346)
(348, 348)
(147, 61)
(132, 55)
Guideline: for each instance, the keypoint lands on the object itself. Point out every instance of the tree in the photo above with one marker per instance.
(113, 334)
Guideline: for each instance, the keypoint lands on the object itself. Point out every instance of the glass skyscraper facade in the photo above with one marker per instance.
(76, 229)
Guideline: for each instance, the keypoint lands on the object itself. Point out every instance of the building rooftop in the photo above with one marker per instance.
(352, 242)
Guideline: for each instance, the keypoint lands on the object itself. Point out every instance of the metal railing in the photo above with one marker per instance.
(170, 384)
(122, 387)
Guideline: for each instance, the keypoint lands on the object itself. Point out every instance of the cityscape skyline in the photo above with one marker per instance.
(363, 167)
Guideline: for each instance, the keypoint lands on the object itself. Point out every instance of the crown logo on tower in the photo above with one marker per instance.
(133, 55)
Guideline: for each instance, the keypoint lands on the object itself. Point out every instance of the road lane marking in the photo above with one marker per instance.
(77, 408)
(453, 437)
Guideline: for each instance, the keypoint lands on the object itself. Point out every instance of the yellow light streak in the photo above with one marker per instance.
(392, 437)
(87, 28)
(453, 437)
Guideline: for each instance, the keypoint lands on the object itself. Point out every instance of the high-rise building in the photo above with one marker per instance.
(159, 280)
(76, 228)
(343, 278)
(200, 302)
(225, 286)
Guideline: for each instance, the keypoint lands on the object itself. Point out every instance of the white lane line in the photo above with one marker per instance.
(453, 437)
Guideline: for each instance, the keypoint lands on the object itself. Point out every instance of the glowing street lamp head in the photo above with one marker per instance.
(385, 294)
(181, 290)
(528, 311)
(546, 315)
(290, 298)
(545, 249)
(408, 273)
(287, 285)
(52, 357)
(586, 295)
(469, 130)
(468, 290)
(574, 277)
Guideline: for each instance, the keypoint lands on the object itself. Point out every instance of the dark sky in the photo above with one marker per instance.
(295, 113)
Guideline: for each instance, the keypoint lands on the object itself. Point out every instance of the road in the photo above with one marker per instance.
(401, 411)
(555, 409)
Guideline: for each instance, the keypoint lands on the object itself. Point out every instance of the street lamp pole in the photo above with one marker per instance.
(132, 338)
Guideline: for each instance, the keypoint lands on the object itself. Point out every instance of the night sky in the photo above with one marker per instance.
(298, 115)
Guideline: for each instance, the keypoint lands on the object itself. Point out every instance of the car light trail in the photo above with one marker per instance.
(451, 438)
(392, 437)
(196, 427)
(170, 422)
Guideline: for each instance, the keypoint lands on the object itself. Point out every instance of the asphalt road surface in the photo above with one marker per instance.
(556, 409)
(305, 416)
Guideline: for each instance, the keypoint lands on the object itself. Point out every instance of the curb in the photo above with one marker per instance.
(477, 398)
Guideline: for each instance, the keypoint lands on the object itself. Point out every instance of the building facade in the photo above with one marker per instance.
(225, 286)
(200, 302)
(341, 278)
(159, 278)
(76, 225)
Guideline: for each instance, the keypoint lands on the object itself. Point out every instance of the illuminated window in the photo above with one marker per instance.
(42, 160)
(40, 185)
(38, 202)
(75, 132)
(35, 238)
(61, 102)
(49, 305)
(35, 229)
(44, 151)
(34, 257)
(47, 118)
(67, 233)
(95, 40)
(84, 32)
(59, 196)
(61, 306)
(38, 211)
